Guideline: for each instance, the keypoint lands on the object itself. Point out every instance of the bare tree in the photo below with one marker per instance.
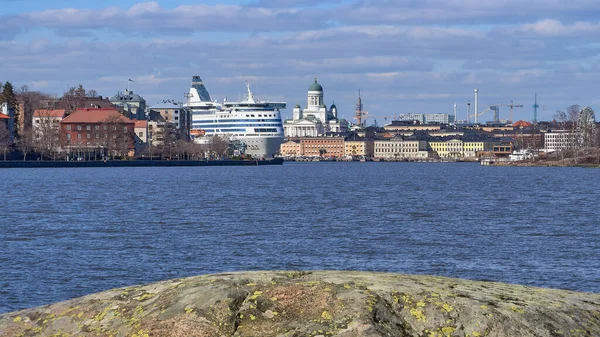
(46, 132)
(116, 139)
(26, 143)
(74, 98)
(92, 93)
(4, 139)
(219, 145)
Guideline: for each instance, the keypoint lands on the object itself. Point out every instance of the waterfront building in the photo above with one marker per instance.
(558, 140)
(141, 136)
(43, 117)
(156, 131)
(6, 117)
(439, 147)
(400, 149)
(359, 148)
(133, 105)
(176, 115)
(290, 148)
(322, 147)
(95, 131)
(473, 149)
(454, 148)
(316, 119)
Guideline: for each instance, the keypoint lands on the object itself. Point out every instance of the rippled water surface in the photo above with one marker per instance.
(69, 232)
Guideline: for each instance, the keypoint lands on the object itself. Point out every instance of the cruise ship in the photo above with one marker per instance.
(256, 124)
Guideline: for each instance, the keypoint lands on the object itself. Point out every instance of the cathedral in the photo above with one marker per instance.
(316, 119)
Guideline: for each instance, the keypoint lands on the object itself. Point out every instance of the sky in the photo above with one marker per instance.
(405, 56)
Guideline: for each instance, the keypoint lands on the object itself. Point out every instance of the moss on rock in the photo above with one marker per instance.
(322, 303)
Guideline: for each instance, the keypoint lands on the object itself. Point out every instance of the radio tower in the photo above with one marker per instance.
(359, 110)
(535, 107)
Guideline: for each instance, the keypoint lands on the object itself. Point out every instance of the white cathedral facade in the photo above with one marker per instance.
(315, 120)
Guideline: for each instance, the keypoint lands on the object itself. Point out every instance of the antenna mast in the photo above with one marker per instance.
(535, 107)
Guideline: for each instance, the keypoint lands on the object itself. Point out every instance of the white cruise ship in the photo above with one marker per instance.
(255, 123)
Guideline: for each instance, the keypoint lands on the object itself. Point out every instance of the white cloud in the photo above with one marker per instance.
(404, 55)
(554, 28)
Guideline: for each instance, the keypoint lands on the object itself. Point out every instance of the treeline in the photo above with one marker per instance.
(23, 103)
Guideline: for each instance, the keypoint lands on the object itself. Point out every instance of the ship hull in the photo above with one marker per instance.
(262, 147)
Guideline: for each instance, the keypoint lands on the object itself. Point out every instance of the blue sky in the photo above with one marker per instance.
(405, 55)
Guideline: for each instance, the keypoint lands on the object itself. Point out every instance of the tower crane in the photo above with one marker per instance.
(374, 121)
(511, 106)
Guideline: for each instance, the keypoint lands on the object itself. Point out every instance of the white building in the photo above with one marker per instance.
(316, 119)
(439, 119)
(411, 117)
(434, 118)
(400, 149)
(558, 140)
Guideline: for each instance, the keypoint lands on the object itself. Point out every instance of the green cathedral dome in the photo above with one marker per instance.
(315, 86)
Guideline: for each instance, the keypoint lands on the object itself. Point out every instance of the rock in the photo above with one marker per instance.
(320, 303)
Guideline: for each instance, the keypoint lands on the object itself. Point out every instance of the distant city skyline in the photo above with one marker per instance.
(405, 56)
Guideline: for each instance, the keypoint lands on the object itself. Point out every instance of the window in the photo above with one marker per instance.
(78, 127)
(79, 136)
(125, 128)
(97, 136)
(37, 121)
(68, 136)
(88, 136)
(97, 127)
(141, 134)
(68, 127)
(88, 127)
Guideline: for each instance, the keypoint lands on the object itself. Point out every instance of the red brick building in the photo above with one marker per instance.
(96, 130)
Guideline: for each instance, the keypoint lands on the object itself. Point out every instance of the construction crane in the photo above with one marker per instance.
(374, 121)
(392, 118)
(511, 106)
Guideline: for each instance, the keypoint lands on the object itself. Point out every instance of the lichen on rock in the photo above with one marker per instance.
(320, 303)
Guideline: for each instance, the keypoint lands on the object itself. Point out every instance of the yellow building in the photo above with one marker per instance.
(473, 148)
(358, 148)
(291, 148)
(322, 147)
(439, 147)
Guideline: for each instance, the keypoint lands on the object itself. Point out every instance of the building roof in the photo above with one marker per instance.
(141, 124)
(58, 113)
(3, 116)
(315, 86)
(522, 123)
(93, 115)
(163, 106)
(127, 96)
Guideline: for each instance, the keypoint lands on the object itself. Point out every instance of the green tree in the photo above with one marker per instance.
(9, 97)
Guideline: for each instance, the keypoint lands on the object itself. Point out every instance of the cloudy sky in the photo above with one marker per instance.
(415, 56)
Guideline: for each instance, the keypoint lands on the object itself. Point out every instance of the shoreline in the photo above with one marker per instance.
(137, 163)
